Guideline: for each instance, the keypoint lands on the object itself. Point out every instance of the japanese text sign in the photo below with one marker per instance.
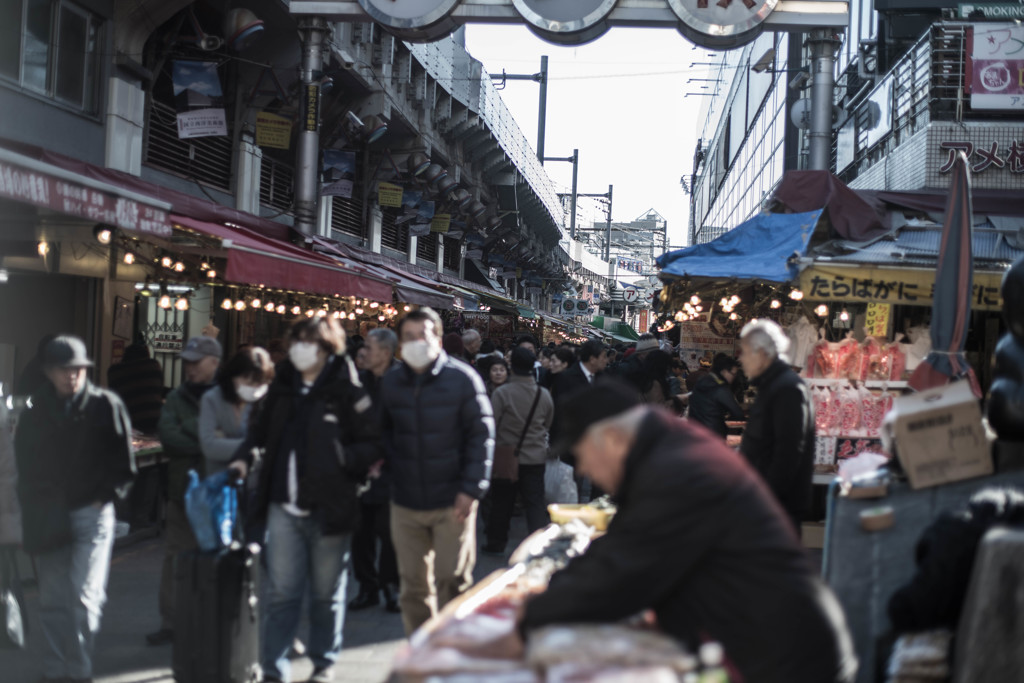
(891, 286)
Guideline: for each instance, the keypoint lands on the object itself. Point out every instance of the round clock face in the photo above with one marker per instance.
(408, 14)
(722, 23)
(566, 21)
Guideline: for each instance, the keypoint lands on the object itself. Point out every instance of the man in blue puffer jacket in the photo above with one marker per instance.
(438, 430)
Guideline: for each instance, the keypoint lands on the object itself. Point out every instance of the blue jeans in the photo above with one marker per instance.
(72, 592)
(299, 555)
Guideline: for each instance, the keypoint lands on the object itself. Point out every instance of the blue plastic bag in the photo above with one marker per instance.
(212, 509)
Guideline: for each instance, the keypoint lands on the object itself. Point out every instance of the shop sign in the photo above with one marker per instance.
(273, 131)
(198, 99)
(877, 323)
(697, 340)
(718, 22)
(992, 11)
(891, 286)
(168, 342)
(311, 108)
(983, 157)
(68, 197)
(441, 222)
(995, 66)
(630, 295)
(389, 194)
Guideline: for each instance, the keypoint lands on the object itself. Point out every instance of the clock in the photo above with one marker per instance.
(419, 21)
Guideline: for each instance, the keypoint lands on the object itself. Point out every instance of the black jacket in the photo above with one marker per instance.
(438, 434)
(379, 492)
(340, 440)
(700, 540)
(566, 383)
(779, 438)
(711, 401)
(69, 457)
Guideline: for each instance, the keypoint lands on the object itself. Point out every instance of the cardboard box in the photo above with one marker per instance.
(939, 436)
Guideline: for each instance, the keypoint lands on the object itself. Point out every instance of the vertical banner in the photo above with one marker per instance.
(198, 99)
(311, 108)
(339, 173)
(877, 322)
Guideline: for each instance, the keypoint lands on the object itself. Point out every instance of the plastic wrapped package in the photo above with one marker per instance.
(871, 411)
(849, 359)
(898, 363)
(849, 412)
(606, 646)
(871, 348)
(833, 418)
(880, 367)
(821, 396)
(825, 357)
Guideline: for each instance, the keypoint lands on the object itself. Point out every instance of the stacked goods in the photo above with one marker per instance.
(871, 360)
(845, 410)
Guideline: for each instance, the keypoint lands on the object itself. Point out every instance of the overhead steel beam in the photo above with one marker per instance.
(789, 15)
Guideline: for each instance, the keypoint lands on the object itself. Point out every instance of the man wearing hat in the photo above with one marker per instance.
(179, 435)
(73, 447)
(699, 540)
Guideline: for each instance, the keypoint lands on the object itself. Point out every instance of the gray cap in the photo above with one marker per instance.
(66, 352)
(199, 348)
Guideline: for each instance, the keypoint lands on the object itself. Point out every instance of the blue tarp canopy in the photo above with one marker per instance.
(759, 249)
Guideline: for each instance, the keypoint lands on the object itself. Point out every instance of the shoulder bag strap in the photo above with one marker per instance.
(529, 419)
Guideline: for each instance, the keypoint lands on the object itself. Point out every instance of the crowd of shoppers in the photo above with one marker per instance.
(371, 455)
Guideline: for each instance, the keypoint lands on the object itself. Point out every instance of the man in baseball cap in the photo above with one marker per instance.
(699, 539)
(179, 435)
(73, 447)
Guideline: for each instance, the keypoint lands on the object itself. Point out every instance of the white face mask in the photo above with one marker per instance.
(249, 393)
(303, 355)
(420, 354)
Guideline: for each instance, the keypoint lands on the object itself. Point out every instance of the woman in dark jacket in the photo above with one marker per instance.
(316, 442)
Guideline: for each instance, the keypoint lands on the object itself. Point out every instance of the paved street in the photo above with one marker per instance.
(371, 637)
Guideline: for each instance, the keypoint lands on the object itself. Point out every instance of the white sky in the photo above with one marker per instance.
(620, 100)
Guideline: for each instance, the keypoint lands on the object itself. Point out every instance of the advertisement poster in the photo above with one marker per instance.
(697, 340)
(389, 194)
(996, 67)
(339, 173)
(273, 131)
(441, 222)
(198, 99)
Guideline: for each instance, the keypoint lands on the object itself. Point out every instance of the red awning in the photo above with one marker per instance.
(254, 259)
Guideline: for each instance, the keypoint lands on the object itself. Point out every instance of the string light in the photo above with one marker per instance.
(821, 310)
(351, 316)
(694, 300)
(129, 258)
(359, 311)
(164, 302)
(167, 262)
(227, 304)
(256, 303)
(309, 313)
(296, 310)
(269, 307)
(240, 305)
(181, 304)
(796, 295)
(211, 274)
(43, 248)
(776, 303)
(179, 267)
(281, 308)
(204, 266)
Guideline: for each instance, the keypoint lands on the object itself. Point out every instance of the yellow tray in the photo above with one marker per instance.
(597, 518)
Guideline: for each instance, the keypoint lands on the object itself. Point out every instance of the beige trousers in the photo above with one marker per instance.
(436, 556)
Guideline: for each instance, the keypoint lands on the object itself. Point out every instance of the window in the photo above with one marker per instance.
(50, 47)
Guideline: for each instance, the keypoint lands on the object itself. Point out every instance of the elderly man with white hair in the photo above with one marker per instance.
(779, 438)
(471, 341)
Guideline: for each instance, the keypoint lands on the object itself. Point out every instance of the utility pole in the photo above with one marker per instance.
(575, 159)
(608, 233)
(540, 77)
(307, 164)
(823, 46)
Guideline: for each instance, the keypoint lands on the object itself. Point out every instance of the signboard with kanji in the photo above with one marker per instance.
(389, 194)
(903, 287)
(273, 131)
(995, 68)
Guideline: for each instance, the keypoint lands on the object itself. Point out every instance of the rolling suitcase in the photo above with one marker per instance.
(216, 620)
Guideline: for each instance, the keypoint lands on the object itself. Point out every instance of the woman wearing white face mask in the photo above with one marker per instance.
(224, 410)
(316, 437)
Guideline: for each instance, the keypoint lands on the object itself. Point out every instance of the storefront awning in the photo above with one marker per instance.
(409, 290)
(254, 259)
(527, 312)
(759, 249)
(36, 182)
(615, 328)
(469, 300)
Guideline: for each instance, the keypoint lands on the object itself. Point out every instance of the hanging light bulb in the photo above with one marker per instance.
(269, 308)
(698, 308)
(821, 310)
(256, 303)
(734, 300)
(227, 304)
(374, 304)
(796, 295)
(167, 262)
(336, 315)
(129, 258)
(296, 310)
(321, 313)
(680, 316)
(211, 274)
(240, 305)
(179, 267)
(204, 266)
(181, 304)
(407, 308)
(310, 313)
(103, 234)
(359, 311)
(164, 302)
(381, 318)
(351, 316)
(733, 316)
(776, 303)
(281, 308)
(844, 316)
(694, 299)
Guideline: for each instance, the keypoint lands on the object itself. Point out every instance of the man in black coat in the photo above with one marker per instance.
(699, 540)
(438, 430)
(712, 400)
(592, 360)
(73, 447)
(779, 438)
